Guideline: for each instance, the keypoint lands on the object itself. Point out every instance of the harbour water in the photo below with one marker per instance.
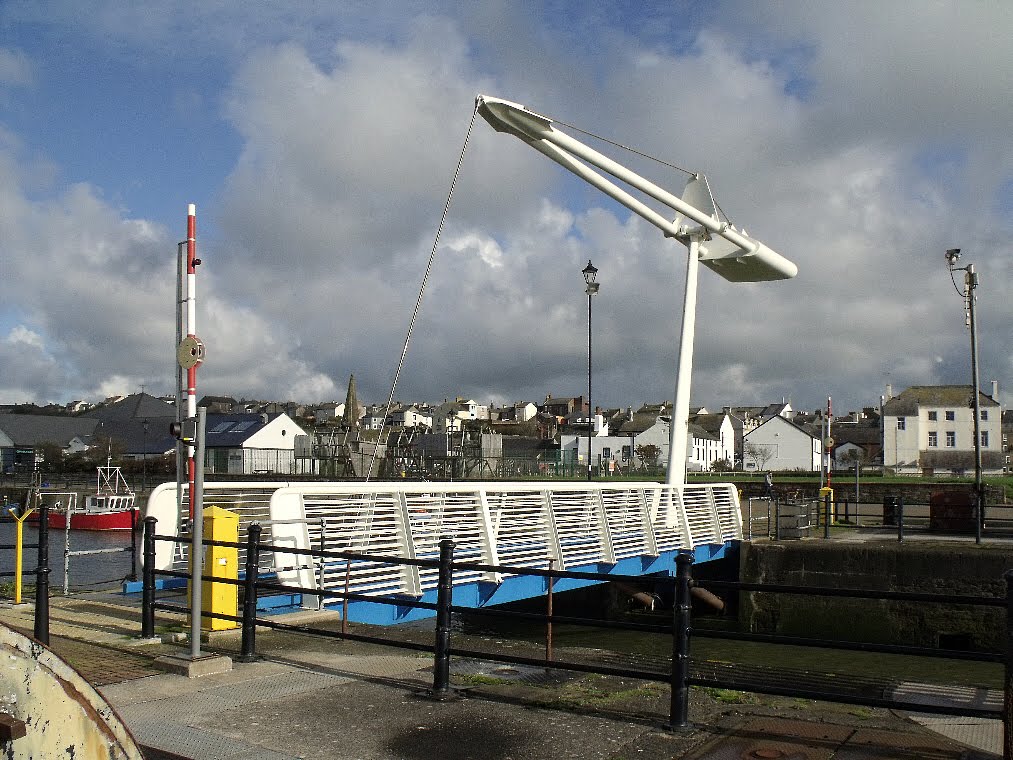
(106, 564)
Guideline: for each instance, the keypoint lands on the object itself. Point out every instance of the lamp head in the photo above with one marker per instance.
(952, 256)
(589, 272)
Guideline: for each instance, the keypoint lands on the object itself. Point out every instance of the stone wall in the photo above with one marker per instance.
(938, 568)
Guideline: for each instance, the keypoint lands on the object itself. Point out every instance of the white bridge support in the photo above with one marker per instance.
(522, 524)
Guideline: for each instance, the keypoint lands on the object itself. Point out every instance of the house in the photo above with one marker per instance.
(929, 430)
(702, 451)
(244, 444)
(219, 404)
(139, 423)
(23, 436)
(450, 416)
(719, 427)
(410, 417)
(779, 444)
(563, 407)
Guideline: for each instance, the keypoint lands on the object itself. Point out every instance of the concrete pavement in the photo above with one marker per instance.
(313, 698)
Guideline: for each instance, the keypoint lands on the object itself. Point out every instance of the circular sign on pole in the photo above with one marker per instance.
(190, 352)
(828, 442)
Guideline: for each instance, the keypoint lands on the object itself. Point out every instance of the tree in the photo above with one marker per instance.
(851, 458)
(649, 454)
(721, 465)
(760, 453)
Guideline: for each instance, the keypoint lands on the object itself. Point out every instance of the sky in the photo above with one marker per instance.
(860, 140)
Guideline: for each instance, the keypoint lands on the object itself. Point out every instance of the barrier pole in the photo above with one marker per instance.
(900, 519)
(42, 578)
(248, 652)
(148, 579)
(444, 594)
(19, 551)
(679, 709)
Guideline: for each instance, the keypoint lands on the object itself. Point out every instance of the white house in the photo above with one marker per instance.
(250, 443)
(779, 444)
(450, 416)
(410, 417)
(721, 428)
(929, 430)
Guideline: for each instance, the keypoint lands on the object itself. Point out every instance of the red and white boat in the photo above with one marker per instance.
(111, 507)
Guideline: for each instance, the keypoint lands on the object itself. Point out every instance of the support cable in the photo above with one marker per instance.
(422, 289)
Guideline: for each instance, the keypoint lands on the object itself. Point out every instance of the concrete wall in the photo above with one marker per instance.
(925, 568)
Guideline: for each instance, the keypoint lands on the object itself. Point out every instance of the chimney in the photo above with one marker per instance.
(995, 389)
(629, 413)
(889, 391)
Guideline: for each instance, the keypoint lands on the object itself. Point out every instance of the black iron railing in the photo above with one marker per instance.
(681, 675)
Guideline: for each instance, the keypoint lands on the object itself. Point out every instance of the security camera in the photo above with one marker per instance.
(952, 256)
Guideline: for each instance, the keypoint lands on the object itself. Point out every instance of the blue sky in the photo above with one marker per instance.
(318, 141)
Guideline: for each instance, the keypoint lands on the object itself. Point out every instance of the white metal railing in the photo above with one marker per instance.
(492, 522)
(500, 523)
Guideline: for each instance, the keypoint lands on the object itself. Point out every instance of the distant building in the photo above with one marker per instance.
(929, 430)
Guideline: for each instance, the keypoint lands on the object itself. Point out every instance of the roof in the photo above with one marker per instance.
(639, 423)
(133, 407)
(912, 399)
(35, 429)
(228, 430)
(710, 422)
(700, 434)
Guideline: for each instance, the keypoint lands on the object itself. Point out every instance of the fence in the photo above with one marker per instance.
(681, 675)
(822, 514)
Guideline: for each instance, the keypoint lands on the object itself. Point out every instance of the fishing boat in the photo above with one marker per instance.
(110, 507)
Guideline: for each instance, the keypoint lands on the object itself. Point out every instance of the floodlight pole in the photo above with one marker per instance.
(679, 426)
(970, 283)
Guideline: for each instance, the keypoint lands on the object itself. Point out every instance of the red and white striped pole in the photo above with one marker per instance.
(191, 333)
(828, 442)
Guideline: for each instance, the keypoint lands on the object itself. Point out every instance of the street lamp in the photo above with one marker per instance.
(970, 284)
(589, 273)
(144, 455)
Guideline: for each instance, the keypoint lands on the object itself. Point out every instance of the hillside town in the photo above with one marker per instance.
(923, 430)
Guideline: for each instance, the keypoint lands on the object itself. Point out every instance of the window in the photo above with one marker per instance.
(984, 414)
(984, 439)
(933, 416)
(900, 423)
(951, 416)
(933, 438)
(606, 453)
(951, 439)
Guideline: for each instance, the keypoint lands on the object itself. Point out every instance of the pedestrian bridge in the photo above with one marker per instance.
(628, 528)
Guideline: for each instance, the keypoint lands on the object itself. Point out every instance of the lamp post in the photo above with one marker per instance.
(970, 284)
(589, 273)
(144, 455)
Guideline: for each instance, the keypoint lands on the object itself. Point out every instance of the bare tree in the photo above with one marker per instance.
(760, 453)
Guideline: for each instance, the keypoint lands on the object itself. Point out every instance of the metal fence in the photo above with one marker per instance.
(682, 674)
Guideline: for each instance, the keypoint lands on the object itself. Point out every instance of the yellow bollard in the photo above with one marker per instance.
(823, 502)
(19, 550)
(221, 562)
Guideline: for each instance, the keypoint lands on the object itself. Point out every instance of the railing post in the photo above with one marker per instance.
(248, 652)
(548, 612)
(42, 578)
(900, 519)
(679, 710)
(133, 545)
(148, 579)
(777, 519)
(1007, 702)
(444, 595)
(826, 521)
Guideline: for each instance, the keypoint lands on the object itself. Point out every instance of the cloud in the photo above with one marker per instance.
(16, 69)
(859, 144)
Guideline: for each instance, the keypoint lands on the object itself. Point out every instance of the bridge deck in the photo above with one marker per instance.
(624, 528)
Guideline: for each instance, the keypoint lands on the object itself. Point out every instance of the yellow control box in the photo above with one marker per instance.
(221, 562)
